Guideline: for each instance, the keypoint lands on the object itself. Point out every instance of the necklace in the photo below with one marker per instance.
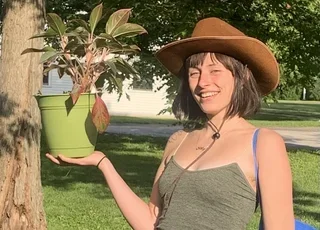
(215, 136)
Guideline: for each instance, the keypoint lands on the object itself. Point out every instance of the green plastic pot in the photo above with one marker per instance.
(68, 128)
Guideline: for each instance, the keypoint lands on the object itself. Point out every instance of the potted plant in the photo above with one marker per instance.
(71, 122)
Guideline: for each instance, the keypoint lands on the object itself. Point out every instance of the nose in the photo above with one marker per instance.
(204, 80)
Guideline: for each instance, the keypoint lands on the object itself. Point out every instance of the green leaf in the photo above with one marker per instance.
(112, 66)
(72, 45)
(80, 31)
(128, 97)
(61, 72)
(100, 115)
(114, 83)
(33, 50)
(56, 23)
(112, 40)
(72, 34)
(100, 81)
(47, 34)
(82, 23)
(130, 68)
(118, 83)
(125, 68)
(106, 36)
(80, 50)
(134, 47)
(117, 19)
(95, 16)
(128, 30)
(124, 49)
(100, 43)
(51, 67)
(109, 87)
(49, 55)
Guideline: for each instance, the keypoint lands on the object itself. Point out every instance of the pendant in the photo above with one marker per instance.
(216, 136)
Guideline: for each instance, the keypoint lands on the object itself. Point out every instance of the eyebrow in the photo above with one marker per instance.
(213, 64)
(210, 65)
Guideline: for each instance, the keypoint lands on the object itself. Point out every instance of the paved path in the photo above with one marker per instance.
(294, 137)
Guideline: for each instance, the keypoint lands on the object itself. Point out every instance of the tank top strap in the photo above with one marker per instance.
(175, 151)
(254, 152)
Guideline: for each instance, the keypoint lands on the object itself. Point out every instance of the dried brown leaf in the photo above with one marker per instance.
(100, 115)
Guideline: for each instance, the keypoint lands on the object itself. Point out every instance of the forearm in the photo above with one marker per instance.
(134, 209)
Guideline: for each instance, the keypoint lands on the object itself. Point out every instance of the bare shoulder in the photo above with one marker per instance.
(268, 136)
(173, 142)
(176, 136)
(271, 146)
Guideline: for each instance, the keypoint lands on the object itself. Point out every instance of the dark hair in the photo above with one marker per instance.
(245, 99)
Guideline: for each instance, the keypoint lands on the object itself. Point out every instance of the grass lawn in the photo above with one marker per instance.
(282, 114)
(76, 198)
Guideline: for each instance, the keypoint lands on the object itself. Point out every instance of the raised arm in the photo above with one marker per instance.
(140, 215)
(275, 181)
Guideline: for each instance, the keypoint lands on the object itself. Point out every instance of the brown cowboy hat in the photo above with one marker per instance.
(215, 35)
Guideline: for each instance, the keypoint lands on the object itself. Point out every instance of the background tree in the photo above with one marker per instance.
(21, 77)
(290, 28)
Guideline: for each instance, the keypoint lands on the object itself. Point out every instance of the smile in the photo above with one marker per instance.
(208, 94)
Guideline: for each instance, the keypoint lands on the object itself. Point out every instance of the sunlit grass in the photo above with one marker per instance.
(76, 198)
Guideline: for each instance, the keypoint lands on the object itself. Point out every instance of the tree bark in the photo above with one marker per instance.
(21, 200)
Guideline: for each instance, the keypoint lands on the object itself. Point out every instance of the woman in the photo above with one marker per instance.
(208, 176)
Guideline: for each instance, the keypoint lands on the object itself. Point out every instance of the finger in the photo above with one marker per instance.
(69, 160)
(53, 159)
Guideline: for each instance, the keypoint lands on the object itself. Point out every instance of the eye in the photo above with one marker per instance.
(194, 74)
(213, 71)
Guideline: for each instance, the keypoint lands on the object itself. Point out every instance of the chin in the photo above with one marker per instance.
(212, 110)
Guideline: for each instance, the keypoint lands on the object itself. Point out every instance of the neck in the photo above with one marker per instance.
(219, 122)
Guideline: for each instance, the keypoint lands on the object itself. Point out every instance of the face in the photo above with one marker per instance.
(211, 85)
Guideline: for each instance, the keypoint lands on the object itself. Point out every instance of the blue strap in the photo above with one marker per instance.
(254, 150)
(254, 146)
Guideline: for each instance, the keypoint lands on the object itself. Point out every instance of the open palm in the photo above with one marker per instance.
(93, 159)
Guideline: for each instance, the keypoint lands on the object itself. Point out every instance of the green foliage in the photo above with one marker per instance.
(314, 92)
(291, 30)
(87, 55)
(285, 92)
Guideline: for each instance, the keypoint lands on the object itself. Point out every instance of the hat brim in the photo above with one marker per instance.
(249, 51)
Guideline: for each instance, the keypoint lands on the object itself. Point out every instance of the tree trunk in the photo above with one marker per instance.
(21, 205)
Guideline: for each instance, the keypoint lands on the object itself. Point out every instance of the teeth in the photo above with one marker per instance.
(208, 94)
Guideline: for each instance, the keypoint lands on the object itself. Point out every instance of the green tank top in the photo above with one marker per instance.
(216, 199)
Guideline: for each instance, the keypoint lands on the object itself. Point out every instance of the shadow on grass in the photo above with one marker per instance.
(306, 187)
(293, 106)
(136, 158)
(289, 112)
(291, 146)
(304, 202)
